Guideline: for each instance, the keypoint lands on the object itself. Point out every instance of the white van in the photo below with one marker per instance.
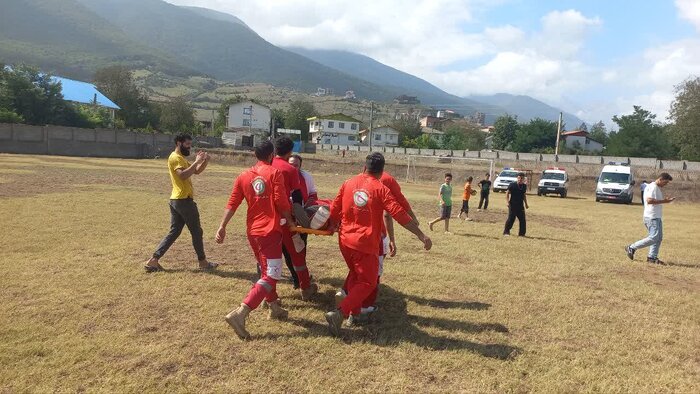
(554, 180)
(504, 179)
(615, 183)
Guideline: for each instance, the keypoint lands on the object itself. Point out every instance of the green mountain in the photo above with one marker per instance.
(67, 38)
(224, 49)
(364, 67)
(216, 15)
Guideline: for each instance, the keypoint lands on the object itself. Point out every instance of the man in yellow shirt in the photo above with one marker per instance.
(183, 209)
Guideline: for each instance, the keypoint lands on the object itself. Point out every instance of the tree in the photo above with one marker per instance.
(408, 128)
(462, 136)
(599, 133)
(583, 127)
(505, 128)
(177, 116)
(296, 116)
(536, 135)
(639, 135)
(117, 83)
(685, 113)
(423, 141)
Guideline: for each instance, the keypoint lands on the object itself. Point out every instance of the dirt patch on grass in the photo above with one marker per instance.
(657, 276)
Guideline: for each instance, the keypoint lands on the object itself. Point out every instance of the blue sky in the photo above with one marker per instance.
(592, 58)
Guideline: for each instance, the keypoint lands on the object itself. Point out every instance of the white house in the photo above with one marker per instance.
(336, 129)
(579, 139)
(381, 136)
(247, 124)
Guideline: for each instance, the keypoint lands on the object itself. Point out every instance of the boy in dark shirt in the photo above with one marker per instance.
(485, 186)
(517, 203)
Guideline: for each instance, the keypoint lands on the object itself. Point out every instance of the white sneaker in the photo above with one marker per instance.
(339, 297)
(369, 309)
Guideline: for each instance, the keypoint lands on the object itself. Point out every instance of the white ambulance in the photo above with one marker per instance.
(504, 179)
(554, 180)
(615, 183)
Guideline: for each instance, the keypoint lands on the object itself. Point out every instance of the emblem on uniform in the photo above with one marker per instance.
(259, 186)
(361, 198)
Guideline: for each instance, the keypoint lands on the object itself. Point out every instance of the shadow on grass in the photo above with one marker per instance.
(476, 236)
(393, 325)
(684, 265)
(550, 239)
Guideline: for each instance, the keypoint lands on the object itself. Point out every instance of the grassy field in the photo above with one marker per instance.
(561, 311)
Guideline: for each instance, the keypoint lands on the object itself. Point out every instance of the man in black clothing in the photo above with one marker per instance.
(517, 203)
(485, 186)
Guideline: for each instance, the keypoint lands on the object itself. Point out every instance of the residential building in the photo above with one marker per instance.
(247, 124)
(381, 136)
(350, 95)
(447, 114)
(336, 129)
(429, 121)
(434, 134)
(579, 139)
(85, 93)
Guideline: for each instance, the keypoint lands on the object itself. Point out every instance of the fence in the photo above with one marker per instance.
(73, 141)
(678, 165)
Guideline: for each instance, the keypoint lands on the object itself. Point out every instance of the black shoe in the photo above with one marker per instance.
(630, 252)
(655, 261)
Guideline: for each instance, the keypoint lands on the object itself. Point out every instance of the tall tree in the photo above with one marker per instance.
(639, 135)
(295, 117)
(599, 133)
(117, 83)
(685, 113)
(536, 135)
(177, 116)
(462, 136)
(408, 128)
(505, 128)
(583, 127)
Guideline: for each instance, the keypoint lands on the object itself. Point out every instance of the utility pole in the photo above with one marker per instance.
(556, 148)
(371, 115)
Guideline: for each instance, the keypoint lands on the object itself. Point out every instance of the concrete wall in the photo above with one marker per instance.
(510, 158)
(71, 141)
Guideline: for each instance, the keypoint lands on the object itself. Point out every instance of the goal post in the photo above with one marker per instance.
(425, 167)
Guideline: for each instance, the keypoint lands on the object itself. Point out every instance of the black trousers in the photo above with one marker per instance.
(183, 212)
(512, 214)
(484, 200)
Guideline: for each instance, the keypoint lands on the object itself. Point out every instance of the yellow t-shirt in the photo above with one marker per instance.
(182, 189)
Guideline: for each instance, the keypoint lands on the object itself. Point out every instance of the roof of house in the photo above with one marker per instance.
(83, 92)
(577, 133)
(430, 130)
(387, 128)
(338, 117)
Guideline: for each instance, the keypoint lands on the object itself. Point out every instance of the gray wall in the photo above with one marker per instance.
(72, 141)
(641, 162)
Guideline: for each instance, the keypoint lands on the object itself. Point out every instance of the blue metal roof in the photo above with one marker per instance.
(83, 92)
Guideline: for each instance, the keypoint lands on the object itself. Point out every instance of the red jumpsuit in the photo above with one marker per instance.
(395, 189)
(359, 208)
(295, 247)
(262, 187)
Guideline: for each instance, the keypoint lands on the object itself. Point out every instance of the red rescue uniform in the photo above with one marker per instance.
(262, 187)
(359, 208)
(292, 242)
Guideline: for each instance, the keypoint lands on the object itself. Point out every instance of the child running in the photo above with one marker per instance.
(445, 204)
(465, 199)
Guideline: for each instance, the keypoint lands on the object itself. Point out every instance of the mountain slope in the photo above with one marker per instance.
(67, 38)
(526, 107)
(215, 15)
(226, 50)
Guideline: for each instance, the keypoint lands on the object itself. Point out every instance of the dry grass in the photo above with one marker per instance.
(562, 311)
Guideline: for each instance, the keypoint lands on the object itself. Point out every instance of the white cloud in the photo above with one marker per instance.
(689, 10)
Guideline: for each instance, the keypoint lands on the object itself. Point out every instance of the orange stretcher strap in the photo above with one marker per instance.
(305, 230)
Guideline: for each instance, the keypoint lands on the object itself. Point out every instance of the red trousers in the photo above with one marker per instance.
(371, 299)
(268, 253)
(361, 280)
(298, 258)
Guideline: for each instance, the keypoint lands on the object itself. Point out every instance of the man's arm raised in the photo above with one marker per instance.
(191, 170)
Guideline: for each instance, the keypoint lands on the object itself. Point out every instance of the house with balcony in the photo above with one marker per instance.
(336, 129)
(580, 139)
(381, 136)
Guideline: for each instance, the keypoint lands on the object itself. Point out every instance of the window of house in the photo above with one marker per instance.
(341, 125)
(351, 138)
(377, 137)
(317, 123)
(392, 137)
(246, 122)
(588, 141)
(327, 141)
(331, 124)
(353, 126)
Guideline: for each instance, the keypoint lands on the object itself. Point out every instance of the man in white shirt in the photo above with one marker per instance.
(653, 200)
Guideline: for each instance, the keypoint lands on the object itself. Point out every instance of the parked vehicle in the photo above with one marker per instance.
(554, 180)
(504, 179)
(615, 183)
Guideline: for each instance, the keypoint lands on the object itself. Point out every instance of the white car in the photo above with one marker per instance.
(504, 179)
(615, 183)
(554, 180)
